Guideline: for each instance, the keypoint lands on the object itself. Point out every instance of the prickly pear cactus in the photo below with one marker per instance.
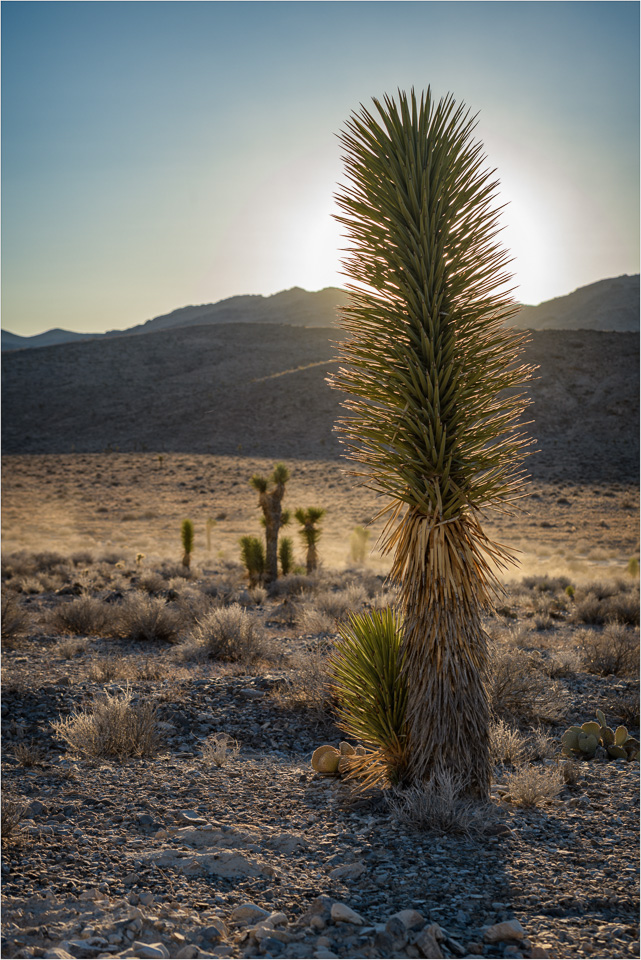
(325, 760)
(583, 741)
(331, 762)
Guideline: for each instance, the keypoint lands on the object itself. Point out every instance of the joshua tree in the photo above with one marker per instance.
(427, 364)
(273, 515)
(187, 537)
(310, 533)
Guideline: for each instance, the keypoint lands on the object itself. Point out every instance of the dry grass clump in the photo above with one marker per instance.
(321, 614)
(14, 622)
(507, 744)
(106, 669)
(231, 634)
(562, 663)
(519, 690)
(626, 708)
(219, 748)
(530, 786)
(439, 806)
(69, 648)
(614, 650)
(29, 754)
(84, 616)
(113, 727)
(12, 810)
(145, 619)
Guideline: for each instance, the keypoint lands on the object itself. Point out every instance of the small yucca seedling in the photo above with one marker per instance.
(358, 544)
(187, 536)
(209, 525)
(310, 533)
(270, 502)
(366, 678)
(252, 554)
(286, 555)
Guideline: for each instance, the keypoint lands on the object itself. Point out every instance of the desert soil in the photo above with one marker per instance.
(172, 856)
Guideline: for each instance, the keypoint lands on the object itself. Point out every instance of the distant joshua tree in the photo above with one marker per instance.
(310, 533)
(274, 517)
(187, 536)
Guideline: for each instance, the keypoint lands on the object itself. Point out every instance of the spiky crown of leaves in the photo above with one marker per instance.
(429, 357)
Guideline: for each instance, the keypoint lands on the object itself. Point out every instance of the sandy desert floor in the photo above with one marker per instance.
(194, 851)
(135, 503)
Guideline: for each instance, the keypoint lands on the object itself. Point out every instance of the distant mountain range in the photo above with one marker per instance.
(611, 305)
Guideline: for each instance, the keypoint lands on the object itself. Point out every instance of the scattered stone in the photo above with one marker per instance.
(248, 913)
(411, 919)
(508, 930)
(191, 817)
(427, 944)
(350, 871)
(341, 913)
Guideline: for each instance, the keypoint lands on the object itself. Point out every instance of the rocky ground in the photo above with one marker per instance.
(221, 840)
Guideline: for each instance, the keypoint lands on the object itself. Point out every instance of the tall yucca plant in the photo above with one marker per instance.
(426, 365)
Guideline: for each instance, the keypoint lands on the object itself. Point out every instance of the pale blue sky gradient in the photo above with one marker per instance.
(160, 154)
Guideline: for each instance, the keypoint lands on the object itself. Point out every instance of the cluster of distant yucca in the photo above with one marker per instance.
(262, 560)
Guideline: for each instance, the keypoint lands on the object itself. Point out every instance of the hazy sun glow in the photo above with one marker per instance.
(161, 154)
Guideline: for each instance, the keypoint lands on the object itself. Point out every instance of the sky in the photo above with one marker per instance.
(159, 154)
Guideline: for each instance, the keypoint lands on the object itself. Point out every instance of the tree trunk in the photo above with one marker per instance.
(271, 507)
(444, 588)
(312, 558)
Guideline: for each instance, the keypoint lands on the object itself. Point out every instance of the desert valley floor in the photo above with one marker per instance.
(221, 840)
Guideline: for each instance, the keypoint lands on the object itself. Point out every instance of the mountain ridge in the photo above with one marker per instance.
(611, 304)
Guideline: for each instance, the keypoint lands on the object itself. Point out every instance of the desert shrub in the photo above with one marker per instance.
(29, 754)
(562, 663)
(518, 689)
(219, 748)
(599, 603)
(12, 810)
(570, 772)
(633, 567)
(231, 634)
(439, 806)
(338, 604)
(530, 786)
(113, 727)
(307, 687)
(152, 583)
(614, 650)
(145, 619)
(105, 669)
(507, 744)
(626, 708)
(540, 746)
(546, 584)
(292, 585)
(68, 649)
(312, 621)
(14, 622)
(84, 616)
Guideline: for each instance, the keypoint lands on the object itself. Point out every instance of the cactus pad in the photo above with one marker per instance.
(592, 728)
(325, 760)
(620, 736)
